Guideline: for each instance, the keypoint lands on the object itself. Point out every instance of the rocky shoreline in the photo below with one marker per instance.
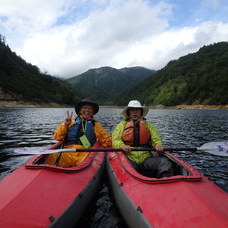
(21, 104)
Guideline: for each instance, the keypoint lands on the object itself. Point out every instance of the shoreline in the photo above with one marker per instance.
(192, 107)
(21, 104)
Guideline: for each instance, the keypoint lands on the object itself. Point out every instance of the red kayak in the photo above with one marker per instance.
(40, 195)
(187, 199)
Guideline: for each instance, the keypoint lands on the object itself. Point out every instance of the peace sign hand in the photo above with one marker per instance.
(68, 118)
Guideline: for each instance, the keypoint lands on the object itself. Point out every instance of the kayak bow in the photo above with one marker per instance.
(41, 195)
(187, 199)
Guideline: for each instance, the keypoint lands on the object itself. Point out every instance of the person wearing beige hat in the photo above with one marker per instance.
(135, 131)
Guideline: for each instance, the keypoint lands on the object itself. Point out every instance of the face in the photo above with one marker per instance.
(135, 113)
(86, 111)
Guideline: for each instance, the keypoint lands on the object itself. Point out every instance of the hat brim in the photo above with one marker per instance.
(80, 104)
(144, 108)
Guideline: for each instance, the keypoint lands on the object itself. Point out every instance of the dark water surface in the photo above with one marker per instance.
(34, 127)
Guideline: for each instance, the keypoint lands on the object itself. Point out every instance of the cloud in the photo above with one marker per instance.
(26, 18)
(95, 40)
(66, 37)
(156, 52)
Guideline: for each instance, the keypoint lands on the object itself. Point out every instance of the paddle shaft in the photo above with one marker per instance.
(119, 149)
(215, 148)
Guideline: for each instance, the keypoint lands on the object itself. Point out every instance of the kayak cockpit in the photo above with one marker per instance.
(182, 171)
(37, 162)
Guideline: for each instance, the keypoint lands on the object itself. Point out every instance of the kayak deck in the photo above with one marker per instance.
(187, 199)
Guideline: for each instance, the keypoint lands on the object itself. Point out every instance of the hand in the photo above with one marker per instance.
(68, 118)
(159, 148)
(126, 148)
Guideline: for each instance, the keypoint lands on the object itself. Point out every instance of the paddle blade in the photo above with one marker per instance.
(26, 151)
(216, 148)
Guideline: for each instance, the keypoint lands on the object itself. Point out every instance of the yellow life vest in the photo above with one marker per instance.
(128, 135)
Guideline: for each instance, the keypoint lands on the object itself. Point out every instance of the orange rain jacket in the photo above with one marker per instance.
(70, 159)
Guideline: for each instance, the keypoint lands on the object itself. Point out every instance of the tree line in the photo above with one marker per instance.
(2, 40)
(197, 78)
(25, 81)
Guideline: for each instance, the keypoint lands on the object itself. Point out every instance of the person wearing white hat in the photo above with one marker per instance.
(135, 131)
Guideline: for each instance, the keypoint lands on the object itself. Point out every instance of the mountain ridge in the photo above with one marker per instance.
(22, 81)
(103, 83)
(199, 78)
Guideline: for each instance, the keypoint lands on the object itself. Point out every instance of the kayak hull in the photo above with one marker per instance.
(187, 199)
(37, 195)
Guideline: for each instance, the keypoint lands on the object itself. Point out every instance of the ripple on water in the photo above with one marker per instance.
(32, 128)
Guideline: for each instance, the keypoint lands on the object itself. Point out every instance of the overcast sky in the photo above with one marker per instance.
(65, 38)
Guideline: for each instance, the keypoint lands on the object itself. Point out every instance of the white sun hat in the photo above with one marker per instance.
(135, 104)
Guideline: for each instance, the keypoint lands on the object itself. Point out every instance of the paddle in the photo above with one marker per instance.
(216, 148)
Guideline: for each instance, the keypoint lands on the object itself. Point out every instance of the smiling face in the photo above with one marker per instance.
(135, 113)
(86, 111)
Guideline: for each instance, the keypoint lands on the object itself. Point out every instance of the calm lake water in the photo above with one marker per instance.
(34, 127)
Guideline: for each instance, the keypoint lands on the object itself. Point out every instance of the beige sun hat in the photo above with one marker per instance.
(135, 104)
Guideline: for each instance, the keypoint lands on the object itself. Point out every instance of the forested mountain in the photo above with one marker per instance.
(102, 84)
(24, 82)
(198, 78)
